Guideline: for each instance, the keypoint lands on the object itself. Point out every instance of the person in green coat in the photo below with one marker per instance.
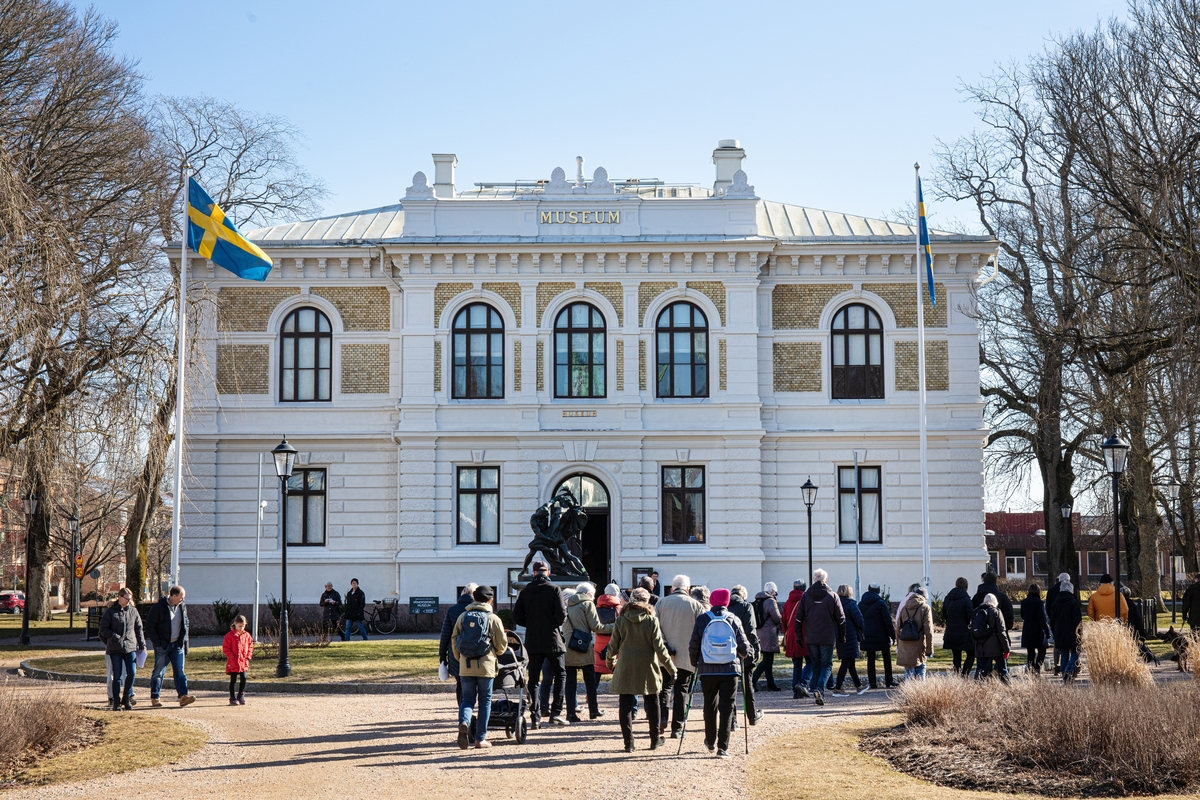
(638, 658)
(582, 617)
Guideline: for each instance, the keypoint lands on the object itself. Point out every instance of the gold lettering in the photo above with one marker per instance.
(560, 217)
(615, 217)
(585, 217)
(546, 216)
(574, 216)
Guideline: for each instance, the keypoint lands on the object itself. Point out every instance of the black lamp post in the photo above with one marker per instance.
(30, 502)
(1173, 487)
(285, 458)
(809, 491)
(1065, 508)
(1116, 450)
(73, 524)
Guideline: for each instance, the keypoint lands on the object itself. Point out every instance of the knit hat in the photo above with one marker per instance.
(719, 597)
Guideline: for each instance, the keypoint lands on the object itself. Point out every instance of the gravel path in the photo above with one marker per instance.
(398, 746)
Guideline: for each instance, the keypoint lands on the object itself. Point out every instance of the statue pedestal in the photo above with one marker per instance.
(561, 582)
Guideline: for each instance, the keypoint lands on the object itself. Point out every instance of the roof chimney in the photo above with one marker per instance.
(579, 171)
(443, 174)
(728, 158)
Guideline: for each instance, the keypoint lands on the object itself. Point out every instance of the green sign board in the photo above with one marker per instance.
(422, 605)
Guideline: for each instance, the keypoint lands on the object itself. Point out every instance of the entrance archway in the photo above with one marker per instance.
(594, 543)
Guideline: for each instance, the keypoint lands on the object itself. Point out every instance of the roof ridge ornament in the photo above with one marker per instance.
(558, 182)
(420, 189)
(740, 186)
(600, 183)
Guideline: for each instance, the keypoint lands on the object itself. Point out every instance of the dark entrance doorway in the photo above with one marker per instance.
(594, 538)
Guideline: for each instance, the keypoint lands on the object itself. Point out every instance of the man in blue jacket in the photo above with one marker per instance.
(445, 656)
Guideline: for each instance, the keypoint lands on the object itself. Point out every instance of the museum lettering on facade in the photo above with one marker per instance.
(682, 357)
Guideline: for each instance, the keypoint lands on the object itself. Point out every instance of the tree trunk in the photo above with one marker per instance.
(37, 570)
(1058, 473)
(137, 535)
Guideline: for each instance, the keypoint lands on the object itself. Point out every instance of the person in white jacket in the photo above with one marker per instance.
(677, 614)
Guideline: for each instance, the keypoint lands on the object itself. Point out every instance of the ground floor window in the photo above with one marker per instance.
(1041, 564)
(478, 505)
(993, 562)
(869, 523)
(1014, 566)
(683, 505)
(1097, 562)
(306, 507)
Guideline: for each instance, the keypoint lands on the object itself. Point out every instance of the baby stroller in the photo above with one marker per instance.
(508, 692)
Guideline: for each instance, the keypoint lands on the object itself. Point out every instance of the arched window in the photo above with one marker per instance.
(588, 491)
(305, 344)
(857, 353)
(478, 353)
(682, 351)
(579, 352)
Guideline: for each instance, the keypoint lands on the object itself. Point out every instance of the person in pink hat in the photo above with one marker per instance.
(717, 648)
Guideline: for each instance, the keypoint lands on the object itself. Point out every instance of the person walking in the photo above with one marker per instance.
(579, 632)
(238, 647)
(793, 644)
(167, 629)
(658, 590)
(608, 608)
(1035, 629)
(957, 611)
(821, 622)
(331, 607)
(1190, 603)
(992, 645)
(445, 654)
(355, 611)
(639, 660)
(1065, 616)
(701, 596)
(1051, 596)
(745, 614)
(540, 610)
(123, 638)
(677, 614)
(879, 633)
(848, 650)
(1103, 602)
(476, 641)
(1003, 602)
(914, 634)
(769, 618)
(718, 647)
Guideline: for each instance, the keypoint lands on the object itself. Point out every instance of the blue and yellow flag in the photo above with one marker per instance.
(213, 236)
(923, 233)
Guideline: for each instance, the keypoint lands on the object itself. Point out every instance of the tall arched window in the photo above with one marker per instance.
(305, 343)
(478, 353)
(579, 352)
(857, 353)
(682, 334)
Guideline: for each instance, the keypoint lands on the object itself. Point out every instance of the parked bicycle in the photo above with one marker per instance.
(383, 617)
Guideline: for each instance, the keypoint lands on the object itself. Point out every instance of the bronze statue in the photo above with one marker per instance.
(555, 526)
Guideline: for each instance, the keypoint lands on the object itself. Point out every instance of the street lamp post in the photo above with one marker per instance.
(1065, 508)
(809, 492)
(285, 458)
(1173, 487)
(30, 502)
(76, 565)
(1116, 450)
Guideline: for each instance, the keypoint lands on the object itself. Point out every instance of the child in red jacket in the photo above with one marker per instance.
(239, 648)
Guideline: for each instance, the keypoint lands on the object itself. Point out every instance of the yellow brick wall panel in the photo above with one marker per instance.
(721, 365)
(511, 292)
(937, 366)
(902, 298)
(713, 290)
(516, 365)
(248, 308)
(649, 290)
(546, 292)
(796, 366)
(366, 368)
(613, 293)
(363, 308)
(798, 306)
(641, 365)
(540, 362)
(620, 365)
(437, 366)
(243, 368)
(443, 293)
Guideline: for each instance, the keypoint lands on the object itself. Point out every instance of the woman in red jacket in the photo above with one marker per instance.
(608, 608)
(794, 648)
(239, 648)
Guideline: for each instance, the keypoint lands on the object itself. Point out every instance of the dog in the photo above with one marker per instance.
(1182, 645)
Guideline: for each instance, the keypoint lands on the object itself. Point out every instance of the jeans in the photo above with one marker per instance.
(472, 688)
(683, 685)
(719, 691)
(800, 672)
(822, 657)
(986, 665)
(886, 653)
(171, 654)
(915, 673)
(590, 683)
(625, 711)
(767, 667)
(848, 666)
(1067, 661)
(108, 679)
(963, 661)
(546, 671)
(350, 624)
(124, 665)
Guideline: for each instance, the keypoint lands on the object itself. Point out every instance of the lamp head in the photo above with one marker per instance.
(809, 491)
(1116, 450)
(1065, 507)
(285, 458)
(1173, 487)
(73, 523)
(30, 501)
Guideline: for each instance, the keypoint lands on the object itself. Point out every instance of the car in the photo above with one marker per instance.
(12, 602)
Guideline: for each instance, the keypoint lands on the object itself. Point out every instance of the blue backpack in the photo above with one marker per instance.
(718, 643)
(475, 636)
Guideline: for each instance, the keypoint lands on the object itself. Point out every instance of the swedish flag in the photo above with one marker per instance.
(923, 232)
(213, 236)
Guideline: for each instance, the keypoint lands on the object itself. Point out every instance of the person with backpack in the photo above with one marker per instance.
(957, 611)
(992, 645)
(608, 608)
(744, 612)
(1003, 603)
(914, 634)
(766, 613)
(1065, 615)
(793, 644)
(445, 655)
(677, 616)
(821, 621)
(717, 648)
(579, 631)
(477, 641)
(640, 663)
(879, 632)
(848, 650)
(541, 611)
(1035, 629)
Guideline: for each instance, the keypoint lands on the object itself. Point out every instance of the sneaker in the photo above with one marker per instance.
(800, 693)
(655, 744)
(596, 715)
(241, 700)
(711, 747)
(758, 715)
(233, 701)
(820, 698)
(464, 733)
(629, 747)
(155, 702)
(839, 693)
(733, 726)
(724, 754)
(132, 702)
(674, 734)
(862, 689)
(482, 744)
(556, 720)
(572, 718)
(186, 700)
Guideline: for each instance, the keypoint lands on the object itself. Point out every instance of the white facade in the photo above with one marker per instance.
(768, 278)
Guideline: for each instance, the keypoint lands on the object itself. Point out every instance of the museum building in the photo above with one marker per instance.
(683, 357)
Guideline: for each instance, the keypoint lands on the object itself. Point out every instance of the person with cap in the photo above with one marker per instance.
(822, 622)
(541, 611)
(640, 663)
(914, 634)
(477, 672)
(1003, 601)
(718, 654)
(1103, 602)
(445, 655)
(793, 645)
(739, 608)
(677, 617)
(879, 634)
(331, 607)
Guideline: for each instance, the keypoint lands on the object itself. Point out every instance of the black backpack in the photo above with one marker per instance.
(475, 636)
(760, 611)
(981, 624)
(910, 631)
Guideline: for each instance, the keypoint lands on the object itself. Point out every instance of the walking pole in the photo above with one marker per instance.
(686, 712)
(746, 714)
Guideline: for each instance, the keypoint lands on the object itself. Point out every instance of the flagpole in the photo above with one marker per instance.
(181, 359)
(921, 386)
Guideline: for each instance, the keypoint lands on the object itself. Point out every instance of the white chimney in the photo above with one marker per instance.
(728, 158)
(579, 170)
(443, 174)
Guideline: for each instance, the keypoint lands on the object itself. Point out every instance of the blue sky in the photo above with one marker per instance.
(833, 102)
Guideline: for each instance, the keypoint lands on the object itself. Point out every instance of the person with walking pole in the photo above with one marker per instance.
(717, 648)
(691, 691)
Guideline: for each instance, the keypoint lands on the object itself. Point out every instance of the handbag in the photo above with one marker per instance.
(580, 641)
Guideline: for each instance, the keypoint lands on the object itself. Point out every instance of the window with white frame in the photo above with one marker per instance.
(306, 507)
(1014, 566)
(1097, 561)
(868, 523)
(478, 505)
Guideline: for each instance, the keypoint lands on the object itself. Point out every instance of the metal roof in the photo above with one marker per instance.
(373, 225)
